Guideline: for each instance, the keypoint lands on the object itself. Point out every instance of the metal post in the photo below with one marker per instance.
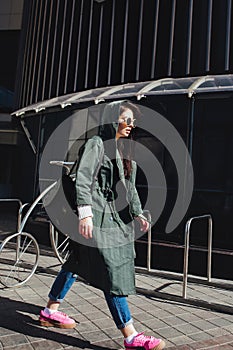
(153, 58)
(139, 41)
(111, 43)
(171, 44)
(53, 50)
(186, 250)
(33, 70)
(147, 212)
(124, 42)
(210, 233)
(228, 35)
(99, 46)
(61, 51)
(17, 251)
(186, 256)
(45, 76)
(189, 37)
(80, 20)
(209, 31)
(40, 55)
(88, 46)
(19, 216)
(69, 46)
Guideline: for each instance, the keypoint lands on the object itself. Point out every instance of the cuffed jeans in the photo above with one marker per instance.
(118, 305)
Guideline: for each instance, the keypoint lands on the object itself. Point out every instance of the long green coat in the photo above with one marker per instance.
(107, 260)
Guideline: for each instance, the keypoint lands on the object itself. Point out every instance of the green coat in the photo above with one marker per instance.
(107, 260)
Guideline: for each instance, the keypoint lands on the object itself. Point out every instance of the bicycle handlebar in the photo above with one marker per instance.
(66, 165)
(60, 163)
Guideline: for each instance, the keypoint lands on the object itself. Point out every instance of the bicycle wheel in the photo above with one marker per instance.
(60, 244)
(19, 254)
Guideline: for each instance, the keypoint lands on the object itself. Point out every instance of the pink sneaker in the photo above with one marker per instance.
(142, 341)
(57, 319)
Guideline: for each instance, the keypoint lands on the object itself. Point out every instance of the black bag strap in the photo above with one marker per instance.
(99, 164)
(95, 176)
(77, 160)
(80, 156)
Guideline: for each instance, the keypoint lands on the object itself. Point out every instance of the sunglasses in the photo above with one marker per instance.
(128, 121)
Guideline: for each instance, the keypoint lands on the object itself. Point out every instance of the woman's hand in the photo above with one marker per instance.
(86, 227)
(144, 224)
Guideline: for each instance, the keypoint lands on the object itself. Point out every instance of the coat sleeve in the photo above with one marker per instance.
(135, 203)
(86, 170)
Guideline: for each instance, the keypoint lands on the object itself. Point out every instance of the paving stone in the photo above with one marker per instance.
(229, 328)
(87, 327)
(104, 323)
(173, 320)
(228, 317)
(95, 336)
(112, 332)
(21, 347)
(46, 344)
(135, 309)
(220, 322)
(225, 347)
(85, 308)
(142, 328)
(182, 326)
(188, 328)
(160, 313)
(205, 314)
(189, 317)
(203, 325)
(181, 340)
(79, 318)
(218, 331)
(95, 315)
(214, 342)
(154, 324)
(200, 336)
(168, 333)
(182, 347)
(143, 316)
(107, 344)
(119, 343)
(225, 339)
(5, 331)
(13, 340)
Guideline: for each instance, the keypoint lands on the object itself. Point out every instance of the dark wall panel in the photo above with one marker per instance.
(8, 58)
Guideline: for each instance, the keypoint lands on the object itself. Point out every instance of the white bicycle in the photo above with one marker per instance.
(19, 252)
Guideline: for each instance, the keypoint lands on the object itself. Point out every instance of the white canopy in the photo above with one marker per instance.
(166, 86)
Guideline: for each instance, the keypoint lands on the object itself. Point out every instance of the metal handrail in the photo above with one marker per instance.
(19, 217)
(186, 250)
(148, 214)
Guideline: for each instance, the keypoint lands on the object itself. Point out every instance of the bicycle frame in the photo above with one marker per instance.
(36, 201)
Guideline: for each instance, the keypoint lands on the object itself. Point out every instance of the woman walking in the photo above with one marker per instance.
(107, 205)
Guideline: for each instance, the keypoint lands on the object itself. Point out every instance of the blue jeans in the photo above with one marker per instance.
(118, 305)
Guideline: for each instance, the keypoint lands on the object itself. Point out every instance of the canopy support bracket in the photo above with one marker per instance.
(28, 135)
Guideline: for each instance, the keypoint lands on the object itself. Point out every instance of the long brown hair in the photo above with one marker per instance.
(126, 148)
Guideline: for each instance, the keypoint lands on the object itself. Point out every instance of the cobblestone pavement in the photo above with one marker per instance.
(203, 321)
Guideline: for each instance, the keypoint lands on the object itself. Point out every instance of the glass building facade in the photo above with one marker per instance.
(80, 46)
(75, 45)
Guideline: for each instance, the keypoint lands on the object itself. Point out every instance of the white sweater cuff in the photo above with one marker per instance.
(84, 211)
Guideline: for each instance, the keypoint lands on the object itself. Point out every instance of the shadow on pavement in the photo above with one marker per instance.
(15, 316)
